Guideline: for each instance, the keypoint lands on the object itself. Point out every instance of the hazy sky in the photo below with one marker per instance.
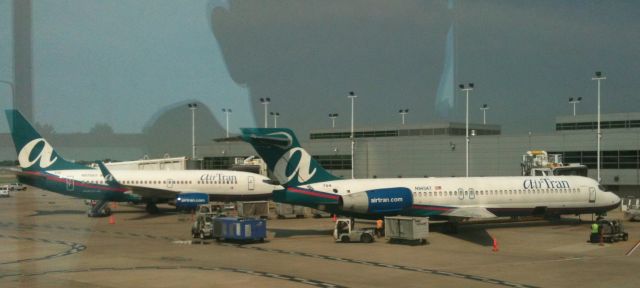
(122, 61)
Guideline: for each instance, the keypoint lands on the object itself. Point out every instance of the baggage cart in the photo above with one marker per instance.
(414, 230)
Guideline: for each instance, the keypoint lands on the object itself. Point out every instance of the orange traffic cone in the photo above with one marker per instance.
(334, 218)
(495, 244)
(112, 220)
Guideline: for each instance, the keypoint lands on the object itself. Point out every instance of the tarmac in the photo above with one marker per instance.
(47, 240)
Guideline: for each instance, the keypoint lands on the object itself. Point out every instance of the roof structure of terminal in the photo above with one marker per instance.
(607, 121)
(434, 129)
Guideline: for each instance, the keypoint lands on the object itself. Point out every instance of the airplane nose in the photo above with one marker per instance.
(616, 199)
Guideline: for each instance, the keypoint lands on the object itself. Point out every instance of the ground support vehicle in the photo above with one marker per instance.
(610, 231)
(203, 226)
(4, 191)
(98, 208)
(239, 229)
(345, 232)
(17, 187)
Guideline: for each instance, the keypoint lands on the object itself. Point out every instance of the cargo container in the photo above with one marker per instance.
(258, 209)
(406, 229)
(289, 211)
(239, 229)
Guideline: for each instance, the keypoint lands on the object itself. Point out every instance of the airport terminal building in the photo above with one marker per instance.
(439, 150)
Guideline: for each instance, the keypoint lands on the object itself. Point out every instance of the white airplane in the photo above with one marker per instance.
(42, 167)
(308, 184)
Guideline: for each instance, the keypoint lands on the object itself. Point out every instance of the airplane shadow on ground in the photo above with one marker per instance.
(145, 215)
(57, 212)
(477, 232)
(286, 233)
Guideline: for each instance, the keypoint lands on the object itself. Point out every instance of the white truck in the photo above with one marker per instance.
(345, 232)
(4, 191)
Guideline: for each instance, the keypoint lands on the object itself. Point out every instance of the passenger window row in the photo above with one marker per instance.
(496, 192)
(152, 182)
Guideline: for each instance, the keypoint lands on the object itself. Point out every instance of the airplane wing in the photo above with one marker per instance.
(11, 170)
(147, 192)
(144, 192)
(469, 212)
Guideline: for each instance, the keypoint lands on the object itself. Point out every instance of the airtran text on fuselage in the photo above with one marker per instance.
(386, 200)
(219, 178)
(545, 183)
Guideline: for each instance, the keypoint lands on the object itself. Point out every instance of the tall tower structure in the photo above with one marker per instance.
(23, 58)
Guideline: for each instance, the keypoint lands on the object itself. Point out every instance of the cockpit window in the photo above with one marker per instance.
(601, 188)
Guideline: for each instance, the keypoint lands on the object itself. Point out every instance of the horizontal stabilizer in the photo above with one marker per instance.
(278, 141)
(469, 212)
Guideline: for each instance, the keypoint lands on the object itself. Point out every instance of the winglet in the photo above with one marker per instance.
(108, 177)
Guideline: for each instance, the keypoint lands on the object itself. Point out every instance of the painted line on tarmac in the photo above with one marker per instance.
(74, 248)
(284, 277)
(632, 249)
(389, 266)
(114, 233)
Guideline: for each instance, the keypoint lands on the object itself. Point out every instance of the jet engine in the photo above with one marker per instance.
(387, 200)
(190, 201)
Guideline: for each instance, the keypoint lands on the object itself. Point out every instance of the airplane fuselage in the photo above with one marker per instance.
(433, 197)
(90, 183)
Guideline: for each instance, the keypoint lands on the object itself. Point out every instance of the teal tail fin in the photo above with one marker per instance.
(34, 152)
(280, 149)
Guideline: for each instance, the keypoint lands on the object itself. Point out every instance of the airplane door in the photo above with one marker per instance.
(251, 182)
(460, 193)
(169, 183)
(472, 194)
(70, 183)
(592, 195)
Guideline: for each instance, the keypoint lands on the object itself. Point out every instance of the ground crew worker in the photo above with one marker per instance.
(595, 232)
(380, 228)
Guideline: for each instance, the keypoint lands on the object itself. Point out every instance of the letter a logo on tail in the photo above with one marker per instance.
(45, 157)
(302, 168)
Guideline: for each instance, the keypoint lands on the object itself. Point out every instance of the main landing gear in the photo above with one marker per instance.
(151, 208)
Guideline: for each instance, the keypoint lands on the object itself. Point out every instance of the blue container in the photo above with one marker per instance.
(239, 229)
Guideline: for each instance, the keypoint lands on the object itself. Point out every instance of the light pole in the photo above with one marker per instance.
(598, 77)
(467, 89)
(193, 107)
(227, 111)
(333, 117)
(484, 109)
(265, 102)
(353, 139)
(275, 119)
(13, 89)
(574, 102)
(403, 112)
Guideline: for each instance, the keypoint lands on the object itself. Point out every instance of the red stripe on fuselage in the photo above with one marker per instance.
(313, 193)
